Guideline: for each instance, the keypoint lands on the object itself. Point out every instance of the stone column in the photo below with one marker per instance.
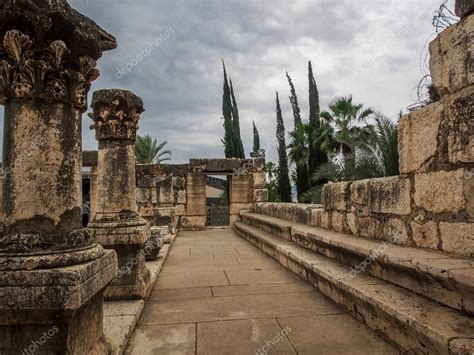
(117, 223)
(52, 273)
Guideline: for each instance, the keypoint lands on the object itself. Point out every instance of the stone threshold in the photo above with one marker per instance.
(121, 317)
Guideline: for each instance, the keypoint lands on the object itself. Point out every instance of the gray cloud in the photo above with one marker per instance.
(181, 80)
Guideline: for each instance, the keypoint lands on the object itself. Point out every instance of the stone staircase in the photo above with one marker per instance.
(420, 300)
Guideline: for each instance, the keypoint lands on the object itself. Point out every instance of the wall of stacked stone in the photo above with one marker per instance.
(431, 204)
(161, 193)
(176, 194)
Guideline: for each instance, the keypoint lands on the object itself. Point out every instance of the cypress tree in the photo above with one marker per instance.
(227, 116)
(256, 138)
(302, 174)
(284, 186)
(316, 155)
(239, 153)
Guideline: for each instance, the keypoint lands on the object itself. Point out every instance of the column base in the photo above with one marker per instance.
(55, 311)
(132, 280)
(154, 244)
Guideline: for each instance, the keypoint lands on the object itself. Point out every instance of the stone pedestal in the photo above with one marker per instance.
(155, 243)
(52, 273)
(117, 223)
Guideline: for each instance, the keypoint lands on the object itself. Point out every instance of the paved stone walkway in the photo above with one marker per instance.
(217, 294)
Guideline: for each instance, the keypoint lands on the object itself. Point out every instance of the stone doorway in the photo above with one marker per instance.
(217, 200)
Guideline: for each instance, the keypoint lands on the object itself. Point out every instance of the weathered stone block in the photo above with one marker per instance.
(259, 180)
(196, 194)
(441, 191)
(152, 247)
(425, 235)
(339, 222)
(180, 210)
(396, 232)
(164, 191)
(235, 208)
(260, 195)
(370, 227)
(326, 220)
(352, 223)
(460, 116)
(390, 195)
(143, 195)
(146, 211)
(451, 53)
(457, 238)
(240, 189)
(315, 217)
(335, 196)
(193, 222)
(418, 137)
(359, 192)
(181, 197)
(179, 182)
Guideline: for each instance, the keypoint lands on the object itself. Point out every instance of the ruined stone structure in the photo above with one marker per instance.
(116, 223)
(52, 273)
(176, 194)
(431, 205)
(397, 252)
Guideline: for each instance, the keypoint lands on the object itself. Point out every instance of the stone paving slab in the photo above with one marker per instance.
(192, 279)
(163, 339)
(261, 289)
(238, 318)
(333, 334)
(182, 293)
(259, 276)
(242, 337)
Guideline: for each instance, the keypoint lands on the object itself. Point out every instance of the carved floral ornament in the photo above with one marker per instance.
(49, 73)
(115, 119)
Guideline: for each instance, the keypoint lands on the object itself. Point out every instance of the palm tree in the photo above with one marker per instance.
(299, 156)
(148, 151)
(344, 116)
(376, 155)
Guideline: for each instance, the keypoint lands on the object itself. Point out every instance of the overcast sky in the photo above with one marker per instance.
(368, 48)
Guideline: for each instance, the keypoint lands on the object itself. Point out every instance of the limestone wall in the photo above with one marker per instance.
(176, 194)
(431, 204)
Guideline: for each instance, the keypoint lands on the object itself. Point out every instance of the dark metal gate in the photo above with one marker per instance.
(218, 216)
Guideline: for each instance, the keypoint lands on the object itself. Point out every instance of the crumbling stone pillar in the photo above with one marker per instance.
(117, 223)
(52, 273)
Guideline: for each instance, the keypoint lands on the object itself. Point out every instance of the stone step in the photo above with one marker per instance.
(276, 226)
(443, 278)
(294, 212)
(413, 322)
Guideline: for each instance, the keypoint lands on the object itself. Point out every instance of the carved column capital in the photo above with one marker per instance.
(49, 51)
(116, 114)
